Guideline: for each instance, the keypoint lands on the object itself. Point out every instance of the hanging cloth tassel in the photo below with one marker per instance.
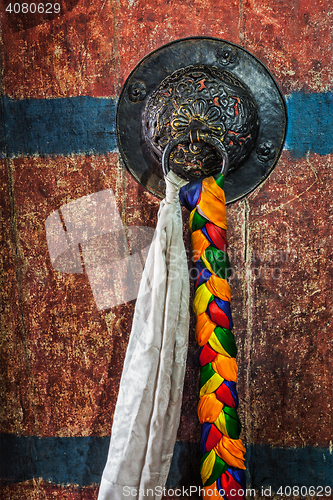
(222, 464)
(147, 413)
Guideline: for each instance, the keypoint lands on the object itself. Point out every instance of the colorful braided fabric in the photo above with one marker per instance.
(222, 464)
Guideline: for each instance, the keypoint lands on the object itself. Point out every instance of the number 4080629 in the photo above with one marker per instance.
(34, 8)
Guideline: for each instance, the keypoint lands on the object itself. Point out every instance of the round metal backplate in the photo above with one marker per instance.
(154, 68)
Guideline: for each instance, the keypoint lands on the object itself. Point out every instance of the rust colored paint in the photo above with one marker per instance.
(293, 39)
(31, 19)
(69, 355)
(145, 26)
(91, 49)
(72, 55)
(39, 490)
(16, 378)
(290, 240)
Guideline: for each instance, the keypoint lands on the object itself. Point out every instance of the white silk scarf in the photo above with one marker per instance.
(148, 408)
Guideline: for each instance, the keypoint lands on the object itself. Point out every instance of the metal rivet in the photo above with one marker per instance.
(226, 55)
(137, 91)
(266, 151)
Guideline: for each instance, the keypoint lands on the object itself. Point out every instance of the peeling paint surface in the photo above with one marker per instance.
(62, 357)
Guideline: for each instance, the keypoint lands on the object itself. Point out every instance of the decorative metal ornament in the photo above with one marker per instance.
(192, 100)
(200, 99)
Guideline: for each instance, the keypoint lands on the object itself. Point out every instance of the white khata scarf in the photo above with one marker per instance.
(148, 408)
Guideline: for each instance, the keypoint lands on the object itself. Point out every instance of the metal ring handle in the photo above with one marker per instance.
(203, 136)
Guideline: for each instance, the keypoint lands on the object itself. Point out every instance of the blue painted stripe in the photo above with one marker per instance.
(310, 123)
(86, 125)
(65, 460)
(265, 466)
(44, 127)
(80, 461)
(275, 467)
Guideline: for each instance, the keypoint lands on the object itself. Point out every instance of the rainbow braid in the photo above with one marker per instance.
(222, 464)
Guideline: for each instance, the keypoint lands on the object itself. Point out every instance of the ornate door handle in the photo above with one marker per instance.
(209, 85)
(203, 108)
(200, 137)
